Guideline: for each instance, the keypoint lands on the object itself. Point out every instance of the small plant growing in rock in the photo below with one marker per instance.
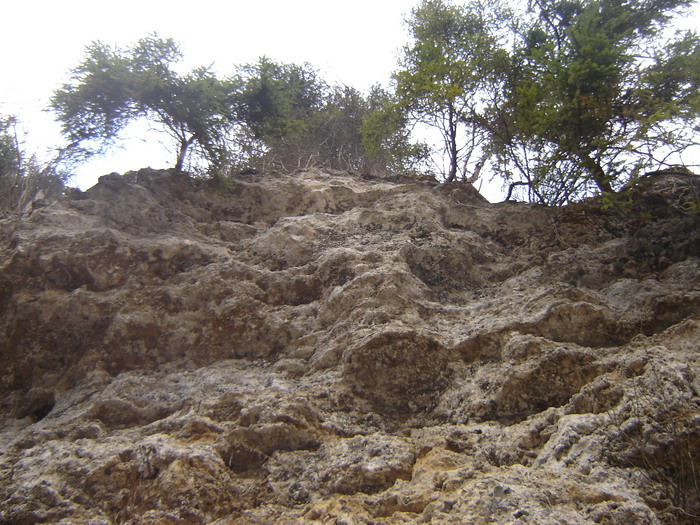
(658, 435)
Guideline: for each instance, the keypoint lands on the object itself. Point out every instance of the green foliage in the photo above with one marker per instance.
(112, 87)
(23, 179)
(386, 136)
(269, 116)
(10, 157)
(594, 97)
(569, 98)
(620, 202)
(278, 102)
(279, 98)
(99, 101)
(292, 119)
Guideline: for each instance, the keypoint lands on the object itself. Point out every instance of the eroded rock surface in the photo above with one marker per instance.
(330, 348)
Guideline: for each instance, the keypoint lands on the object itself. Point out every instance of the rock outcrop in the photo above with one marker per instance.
(330, 348)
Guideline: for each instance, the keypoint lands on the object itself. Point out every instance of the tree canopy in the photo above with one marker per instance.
(596, 96)
(568, 96)
(293, 119)
(564, 97)
(269, 115)
(112, 87)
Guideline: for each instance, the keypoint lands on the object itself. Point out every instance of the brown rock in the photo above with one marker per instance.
(330, 348)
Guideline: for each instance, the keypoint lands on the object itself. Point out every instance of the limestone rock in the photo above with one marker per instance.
(333, 348)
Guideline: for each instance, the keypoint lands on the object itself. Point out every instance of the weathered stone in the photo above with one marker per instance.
(330, 348)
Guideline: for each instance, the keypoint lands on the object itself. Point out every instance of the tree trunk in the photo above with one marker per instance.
(597, 173)
(452, 146)
(477, 169)
(601, 179)
(182, 154)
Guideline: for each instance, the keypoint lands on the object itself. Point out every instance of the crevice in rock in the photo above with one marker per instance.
(37, 404)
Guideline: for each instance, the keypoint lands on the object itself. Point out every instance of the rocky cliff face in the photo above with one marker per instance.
(327, 348)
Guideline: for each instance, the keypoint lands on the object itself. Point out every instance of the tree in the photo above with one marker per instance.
(112, 87)
(446, 74)
(363, 133)
(22, 177)
(278, 102)
(595, 97)
(293, 119)
(278, 98)
(386, 135)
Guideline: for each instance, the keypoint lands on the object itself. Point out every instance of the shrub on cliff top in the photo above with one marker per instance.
(22, 177)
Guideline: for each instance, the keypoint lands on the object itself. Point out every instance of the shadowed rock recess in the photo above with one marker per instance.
(331, 348)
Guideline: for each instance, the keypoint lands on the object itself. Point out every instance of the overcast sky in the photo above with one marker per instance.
(355, 43)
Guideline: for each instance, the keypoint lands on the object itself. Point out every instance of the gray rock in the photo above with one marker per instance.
(323, 347)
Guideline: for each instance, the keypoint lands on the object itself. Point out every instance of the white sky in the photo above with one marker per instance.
(352, 42)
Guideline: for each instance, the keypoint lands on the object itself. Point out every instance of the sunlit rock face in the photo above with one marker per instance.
(334, 348)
